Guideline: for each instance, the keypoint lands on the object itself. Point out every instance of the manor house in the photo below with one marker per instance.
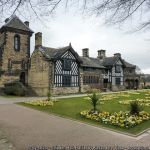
(58, 70)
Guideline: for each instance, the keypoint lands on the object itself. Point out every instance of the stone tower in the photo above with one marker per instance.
(14, 50)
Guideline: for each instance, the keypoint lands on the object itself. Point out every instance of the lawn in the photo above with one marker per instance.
(71, 108)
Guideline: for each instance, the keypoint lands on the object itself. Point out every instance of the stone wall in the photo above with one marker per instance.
(38, 76)
(10, 53)
(85, 88)
(2, 38)
(15, 56)
(64, 90)
(6, 78)
(115, 88)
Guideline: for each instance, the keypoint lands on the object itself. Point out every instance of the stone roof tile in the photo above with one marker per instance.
(16, 23)
(92, 62)
(55, 53)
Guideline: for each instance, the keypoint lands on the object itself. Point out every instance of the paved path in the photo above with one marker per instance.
(12, 100)
(4, 143)
(24, 127)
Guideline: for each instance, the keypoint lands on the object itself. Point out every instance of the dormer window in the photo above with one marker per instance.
(17, 42)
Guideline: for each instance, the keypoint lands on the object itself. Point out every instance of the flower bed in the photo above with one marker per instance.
(88, 98)
(108, 97)
(120, 119)
(142, 102)
(40, 103)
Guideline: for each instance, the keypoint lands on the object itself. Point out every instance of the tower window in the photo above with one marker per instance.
(17, 42)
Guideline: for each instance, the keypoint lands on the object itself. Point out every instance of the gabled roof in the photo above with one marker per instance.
(128, 65)
(109, 61)
(15, 23)
(55, 53)
(91, 62)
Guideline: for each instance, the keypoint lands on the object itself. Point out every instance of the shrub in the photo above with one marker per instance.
(135, 108)
(15, 88)
(49, 96)
(94, 98)
(147, 87)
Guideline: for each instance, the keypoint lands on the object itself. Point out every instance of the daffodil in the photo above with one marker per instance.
(121, 119)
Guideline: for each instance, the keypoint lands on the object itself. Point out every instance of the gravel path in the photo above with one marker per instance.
(25, 127)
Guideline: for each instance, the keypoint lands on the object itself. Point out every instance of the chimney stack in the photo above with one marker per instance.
(117, 55)
(38, 39)
(85, 52)
(101, 54)
(26, 23)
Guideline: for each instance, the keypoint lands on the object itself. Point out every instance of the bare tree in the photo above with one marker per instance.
(113, 11)
(27, 8)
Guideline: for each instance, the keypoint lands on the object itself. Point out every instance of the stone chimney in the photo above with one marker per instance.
(26, 23)
(6, 20)
(101, 54)
(38, 39)
(85, 52)
(117, 55)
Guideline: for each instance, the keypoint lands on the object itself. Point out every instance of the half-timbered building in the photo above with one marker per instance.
(59, 70)
(108, 73)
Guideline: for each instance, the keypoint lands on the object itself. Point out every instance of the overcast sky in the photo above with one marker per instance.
(88, 32)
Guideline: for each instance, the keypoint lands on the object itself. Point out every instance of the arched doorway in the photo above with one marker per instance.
(22, 77)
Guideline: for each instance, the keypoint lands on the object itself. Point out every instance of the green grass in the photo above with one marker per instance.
(71, 108)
